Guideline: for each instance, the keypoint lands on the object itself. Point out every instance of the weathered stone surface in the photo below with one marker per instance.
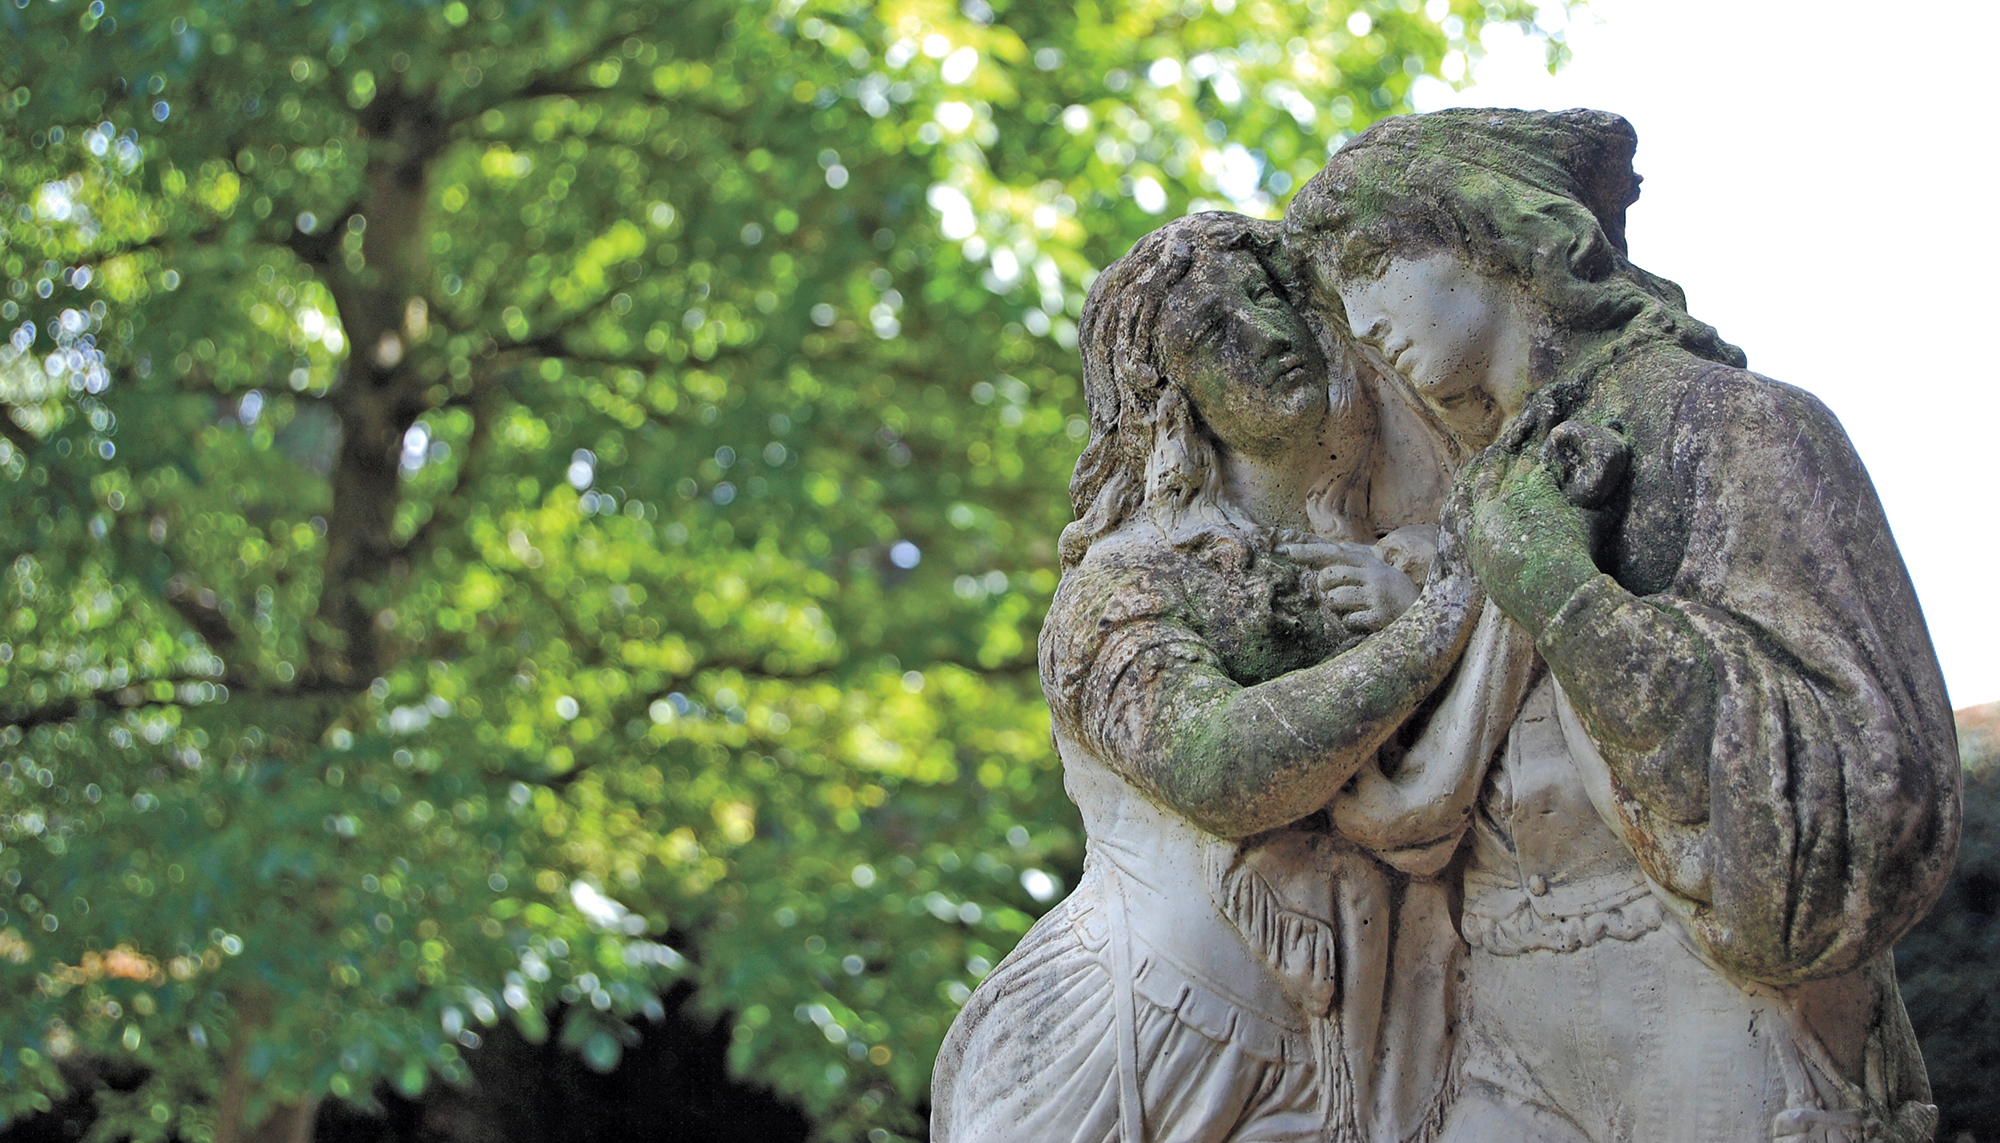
(1226, 650)
(1746, 695)
(1687, 774)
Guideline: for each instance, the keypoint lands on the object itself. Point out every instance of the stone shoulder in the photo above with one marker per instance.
(1722, 395)
(1124, 579)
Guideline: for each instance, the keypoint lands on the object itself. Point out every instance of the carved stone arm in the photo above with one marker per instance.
(1238, 760)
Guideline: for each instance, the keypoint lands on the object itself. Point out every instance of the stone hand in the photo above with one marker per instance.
(1353, 583)
(1411, 549)
(1529, 546)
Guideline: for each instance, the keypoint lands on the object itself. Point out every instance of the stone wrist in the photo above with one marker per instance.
(1578, 617)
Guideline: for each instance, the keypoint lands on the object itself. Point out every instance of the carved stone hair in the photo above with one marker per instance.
(1536, 196)
(1147, 447)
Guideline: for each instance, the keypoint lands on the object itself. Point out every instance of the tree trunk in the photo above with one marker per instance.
(281, 1122)
(381, 392)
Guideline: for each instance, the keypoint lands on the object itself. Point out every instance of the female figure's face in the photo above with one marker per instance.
(1249, 365)
(1464, 341)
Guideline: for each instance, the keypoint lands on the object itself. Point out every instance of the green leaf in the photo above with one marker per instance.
(549, 502)
(412, 1078)
(602, 1051)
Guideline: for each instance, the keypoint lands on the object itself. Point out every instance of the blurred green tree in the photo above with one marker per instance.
(512, 505)
(1950, 964)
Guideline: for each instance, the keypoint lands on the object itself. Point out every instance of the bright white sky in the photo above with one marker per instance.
(1820, 179)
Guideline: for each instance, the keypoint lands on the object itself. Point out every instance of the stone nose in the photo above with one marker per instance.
(1266, 338)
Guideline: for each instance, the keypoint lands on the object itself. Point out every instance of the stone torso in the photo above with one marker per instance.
(1545, 872)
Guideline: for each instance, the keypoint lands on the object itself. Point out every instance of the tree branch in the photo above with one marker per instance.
(564, 81)
(201, 610)
(461, 491)
(317, 249)
(17, 436)
(131, 696)
(549, 341)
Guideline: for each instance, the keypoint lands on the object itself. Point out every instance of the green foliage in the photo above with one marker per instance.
(512, 505)
(1950, 964)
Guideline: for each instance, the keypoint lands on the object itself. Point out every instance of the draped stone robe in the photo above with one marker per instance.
(1748, 700)
(1284, 986)
(1755, 670)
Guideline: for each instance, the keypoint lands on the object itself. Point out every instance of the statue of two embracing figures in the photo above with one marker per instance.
(1498, 716)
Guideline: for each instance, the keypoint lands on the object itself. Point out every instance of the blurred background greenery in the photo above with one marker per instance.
(525, 526)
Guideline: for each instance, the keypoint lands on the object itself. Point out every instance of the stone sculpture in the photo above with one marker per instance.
(1697, 735)
(1222, 655)
(1738, 783)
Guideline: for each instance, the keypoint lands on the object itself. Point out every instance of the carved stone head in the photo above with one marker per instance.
(1533, 195)
(1532, 199)
(1191, 342)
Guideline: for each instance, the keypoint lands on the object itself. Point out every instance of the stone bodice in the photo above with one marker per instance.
(1545, 871)
(1123, 625)
(1291, 939)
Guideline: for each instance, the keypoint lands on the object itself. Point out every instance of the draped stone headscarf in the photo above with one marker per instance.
(1535, 196)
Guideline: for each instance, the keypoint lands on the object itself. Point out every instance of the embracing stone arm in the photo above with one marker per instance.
(1239, 760)
(1780, 748)
(1129, 677)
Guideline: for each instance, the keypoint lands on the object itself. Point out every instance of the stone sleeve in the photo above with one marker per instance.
(1777, 732)
(1129, 678)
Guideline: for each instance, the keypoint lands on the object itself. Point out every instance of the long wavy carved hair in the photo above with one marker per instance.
(1148, 449)
(1537, 197)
